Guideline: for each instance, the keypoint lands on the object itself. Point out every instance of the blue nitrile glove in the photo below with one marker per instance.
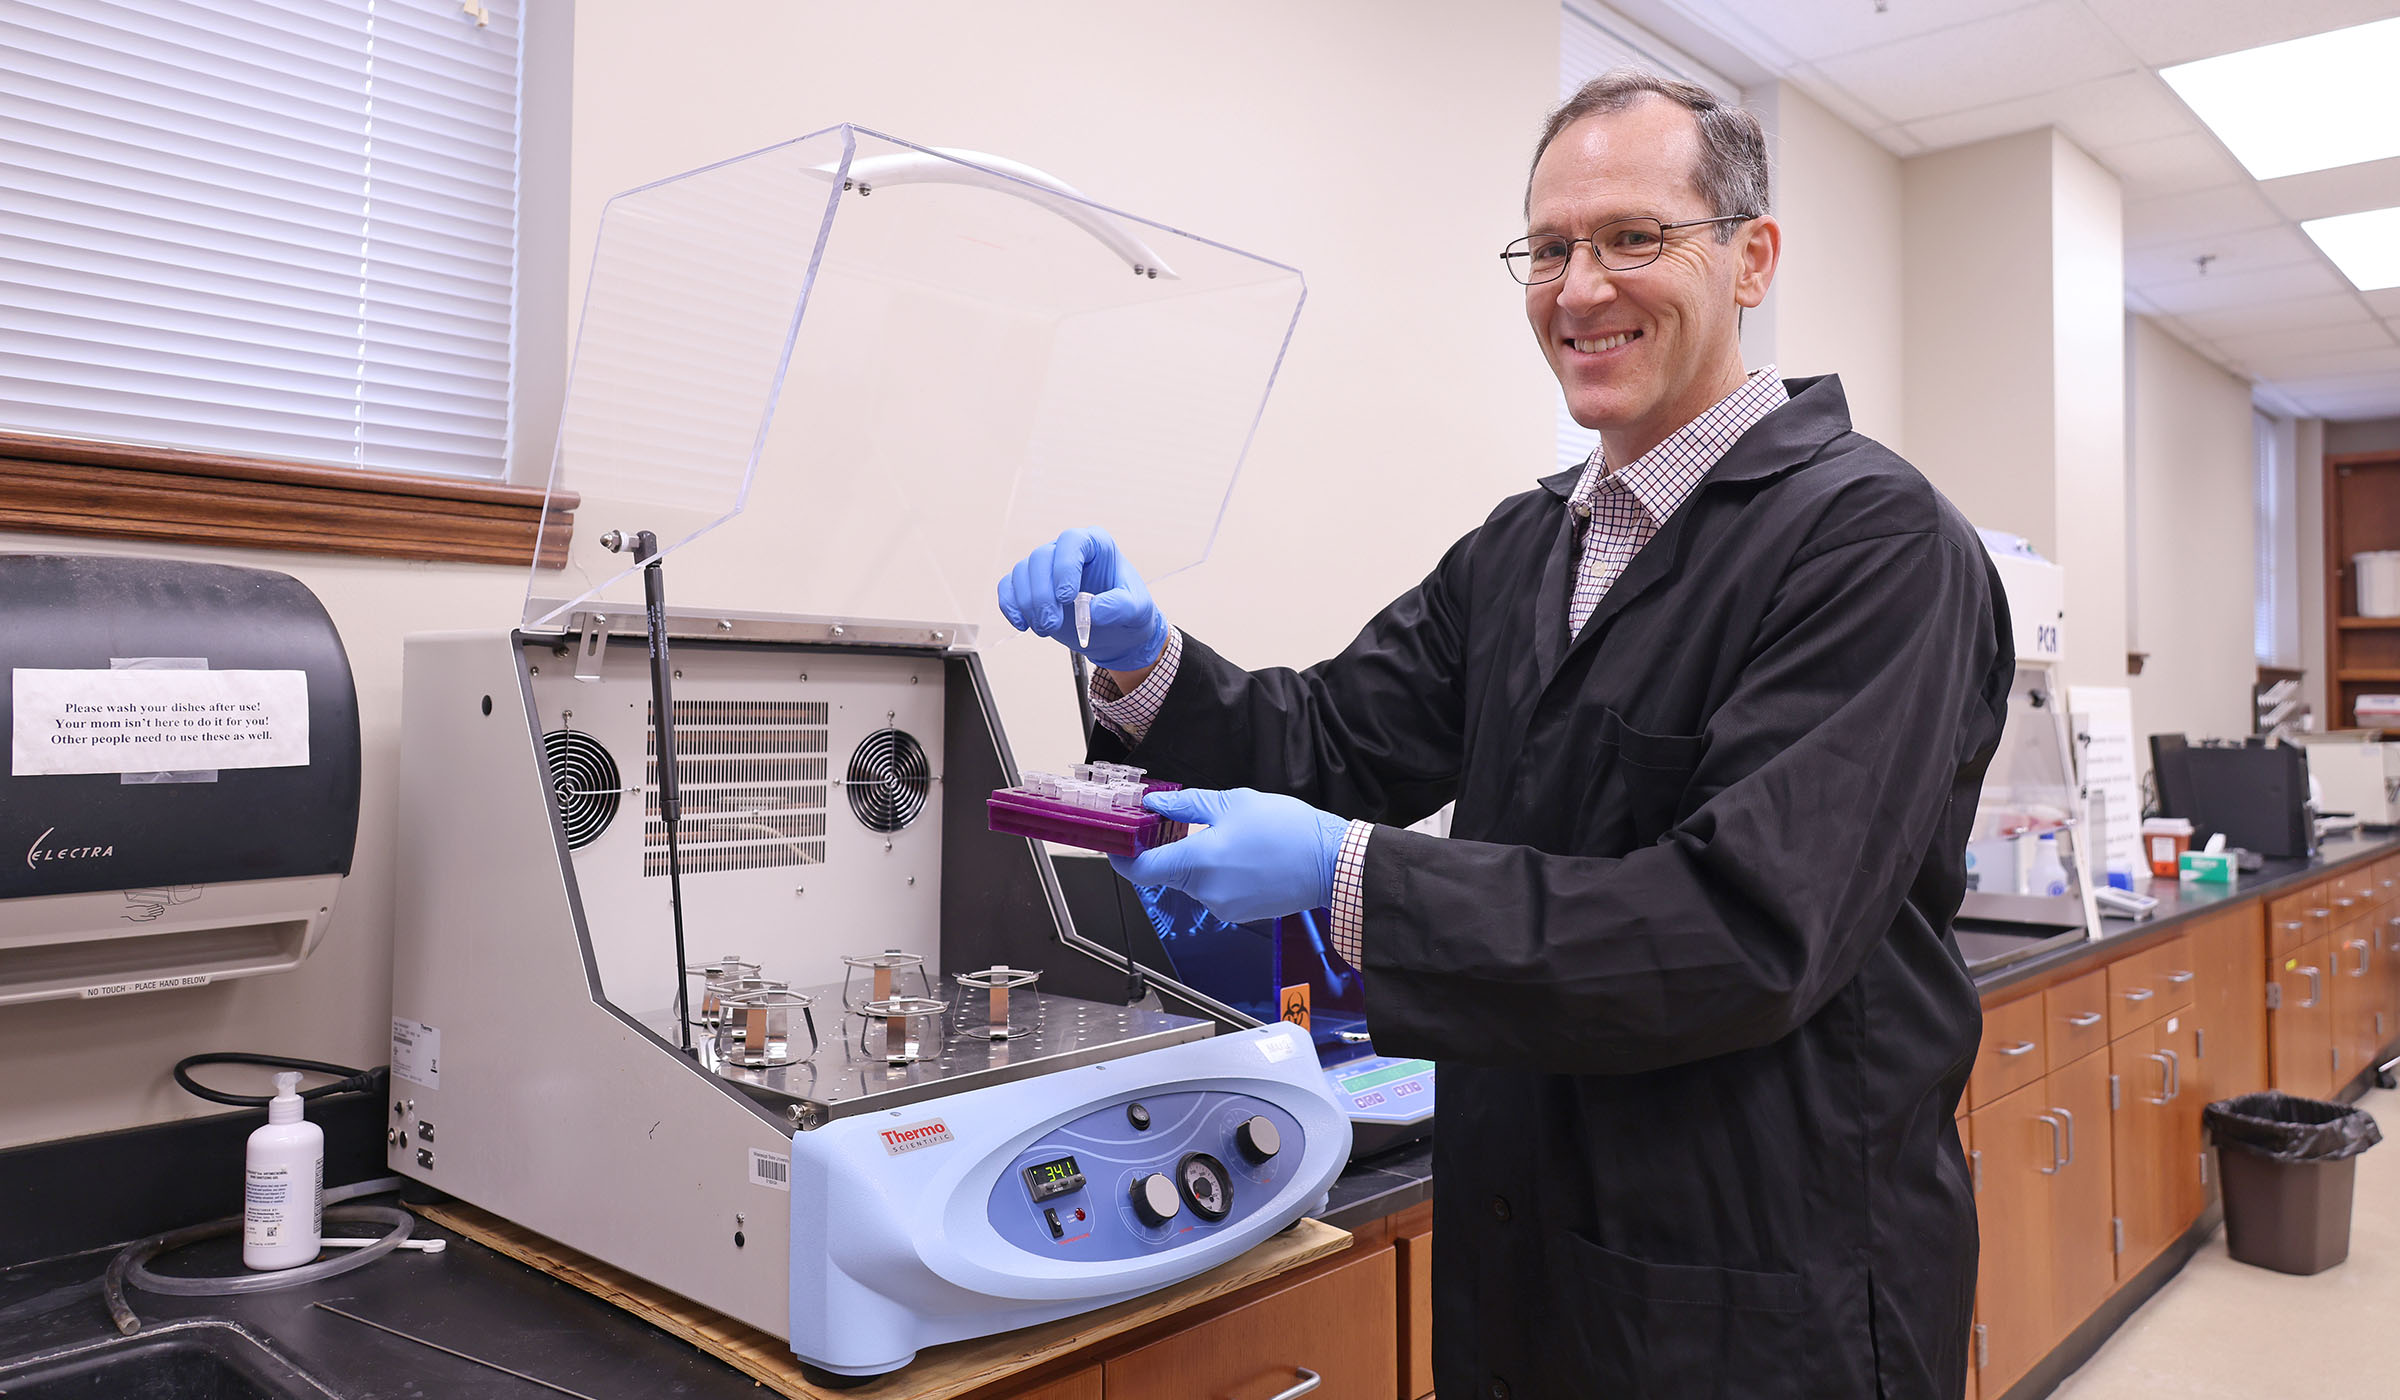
(1263, 854)
(1038, 596)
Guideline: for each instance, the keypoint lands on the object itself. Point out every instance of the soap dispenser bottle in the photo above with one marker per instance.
(283, 1193)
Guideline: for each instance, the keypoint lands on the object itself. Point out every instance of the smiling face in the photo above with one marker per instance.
(1641, 353)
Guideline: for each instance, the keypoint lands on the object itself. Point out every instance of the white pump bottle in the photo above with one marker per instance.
(283, 1193)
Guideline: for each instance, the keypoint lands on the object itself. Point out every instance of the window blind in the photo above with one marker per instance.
(1588, 46)
(283, 228)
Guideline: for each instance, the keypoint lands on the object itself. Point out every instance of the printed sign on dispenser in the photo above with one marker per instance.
(143, 721)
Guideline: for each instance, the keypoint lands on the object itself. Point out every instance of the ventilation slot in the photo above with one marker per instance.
(752, 777)
(583, 782)
(888, 780)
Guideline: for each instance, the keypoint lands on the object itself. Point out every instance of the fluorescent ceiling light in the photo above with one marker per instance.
(2305, 104)
(2366, 247)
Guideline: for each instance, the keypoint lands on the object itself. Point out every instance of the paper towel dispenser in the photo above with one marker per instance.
(181, 798)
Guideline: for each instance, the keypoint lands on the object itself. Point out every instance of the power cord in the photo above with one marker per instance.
(352, 1081)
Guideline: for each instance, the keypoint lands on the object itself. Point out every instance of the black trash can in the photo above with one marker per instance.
(2288, 1165)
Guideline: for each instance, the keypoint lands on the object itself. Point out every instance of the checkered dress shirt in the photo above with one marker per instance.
(1620, 509)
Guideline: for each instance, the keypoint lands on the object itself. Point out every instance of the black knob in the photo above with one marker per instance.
(1155, 1199)
(1138, 1116)
(1258, 1138)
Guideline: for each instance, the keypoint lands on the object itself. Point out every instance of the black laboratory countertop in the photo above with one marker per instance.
(473, 1300)
(2180, 902)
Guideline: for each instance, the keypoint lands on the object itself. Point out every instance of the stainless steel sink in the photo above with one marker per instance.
(176, 1361)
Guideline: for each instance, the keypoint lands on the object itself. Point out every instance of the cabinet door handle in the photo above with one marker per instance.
(2174, 1075)
(1975, 1164)
(2361, 945)
(2316, 987)
(2056, 1162)
(1309, 1380)
(2165, 1076)
(2179, 978)
(2084, 1018)
(2022, 1047)
(2140, 994)
(2069, 1120)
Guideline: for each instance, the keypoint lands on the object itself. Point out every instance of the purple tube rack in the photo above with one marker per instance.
(1018, 812)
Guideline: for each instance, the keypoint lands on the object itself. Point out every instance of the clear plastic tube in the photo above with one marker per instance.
(131, 1265)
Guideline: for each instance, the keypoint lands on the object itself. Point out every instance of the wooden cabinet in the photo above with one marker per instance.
(2011, 1057)
(2155, 1137)
(2148, 985)
(1340, 1324)
(2362, 512)
(2077, 1018)
(1083, 1385)
(2229, 1004)
(2014, 1137)
(2300, 1021)
(2082, 1192)
(2293, 919)
(2356, 991)
(1416, 1315)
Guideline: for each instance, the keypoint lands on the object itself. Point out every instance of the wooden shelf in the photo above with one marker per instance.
(2353, 623)
(2375, 673)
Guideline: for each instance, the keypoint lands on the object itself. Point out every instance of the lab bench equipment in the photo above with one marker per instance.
(709, 961)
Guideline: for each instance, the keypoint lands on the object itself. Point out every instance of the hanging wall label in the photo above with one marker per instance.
(140, 721)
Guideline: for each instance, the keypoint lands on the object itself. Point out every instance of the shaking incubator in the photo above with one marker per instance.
(753, 1003)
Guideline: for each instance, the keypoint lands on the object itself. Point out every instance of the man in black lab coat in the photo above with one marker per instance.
(1714, 712)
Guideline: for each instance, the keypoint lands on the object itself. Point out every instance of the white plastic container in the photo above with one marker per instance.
(2049, 874)
(283, 1184)
(2377, 577)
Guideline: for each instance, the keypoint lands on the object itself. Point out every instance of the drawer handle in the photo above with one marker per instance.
(2140, 994)
(2295, 925)
(2179, 978)
(1309, 1380)
(2022, 1047)
(2320, 913)
(2084, 1018)
(2345, 902)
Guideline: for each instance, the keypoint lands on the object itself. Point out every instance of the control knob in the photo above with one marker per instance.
(1258, 1138)
(1155, 1199)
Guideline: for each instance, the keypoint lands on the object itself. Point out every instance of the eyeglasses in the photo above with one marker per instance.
(1621, 245)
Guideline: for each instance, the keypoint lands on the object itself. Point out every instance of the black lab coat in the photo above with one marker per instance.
(1685, 960)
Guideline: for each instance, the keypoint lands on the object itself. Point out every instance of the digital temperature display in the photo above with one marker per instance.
(1048, 1179)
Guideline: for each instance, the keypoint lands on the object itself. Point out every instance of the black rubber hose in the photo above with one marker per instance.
(352, 1081)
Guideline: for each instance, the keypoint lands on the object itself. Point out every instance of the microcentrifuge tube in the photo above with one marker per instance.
(1083, 619)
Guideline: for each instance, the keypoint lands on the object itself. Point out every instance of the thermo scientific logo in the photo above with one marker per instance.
(915, 1135)
(35, 854)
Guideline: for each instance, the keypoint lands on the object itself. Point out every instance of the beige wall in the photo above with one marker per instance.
(1836, 303)
(2193, 470)
(1411, 400)
(2014, 392)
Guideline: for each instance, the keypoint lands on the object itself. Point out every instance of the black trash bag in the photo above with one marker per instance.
(2289, 1129)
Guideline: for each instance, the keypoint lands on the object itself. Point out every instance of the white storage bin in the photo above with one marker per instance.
(2377, 575)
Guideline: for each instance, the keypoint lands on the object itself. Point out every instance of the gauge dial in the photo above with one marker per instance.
(1205, 1185)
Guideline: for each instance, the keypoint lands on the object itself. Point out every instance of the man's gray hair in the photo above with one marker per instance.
(1731, 175)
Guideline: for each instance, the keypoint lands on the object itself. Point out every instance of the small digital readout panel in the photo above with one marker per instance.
(1048, 1179)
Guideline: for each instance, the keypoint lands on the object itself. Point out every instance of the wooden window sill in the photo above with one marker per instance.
(115, 491)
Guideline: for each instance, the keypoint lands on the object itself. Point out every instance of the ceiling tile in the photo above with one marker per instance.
(2118, 108)
(2384, 362)
(1831, 96)
(2193, 160)
(2220, 291)
(2163, 32)
(2276, 245)
(2200, 214)
(2053, 45)
(2262, 346)
(2345, 189)
(2342, 309)
(1827, 27)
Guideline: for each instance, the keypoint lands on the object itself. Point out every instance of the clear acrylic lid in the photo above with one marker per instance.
(852, 377)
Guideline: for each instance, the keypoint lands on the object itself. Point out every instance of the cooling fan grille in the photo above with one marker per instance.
(584, 783)
(888, 780)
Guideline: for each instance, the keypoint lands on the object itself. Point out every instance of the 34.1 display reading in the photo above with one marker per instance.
(1047, 1179)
